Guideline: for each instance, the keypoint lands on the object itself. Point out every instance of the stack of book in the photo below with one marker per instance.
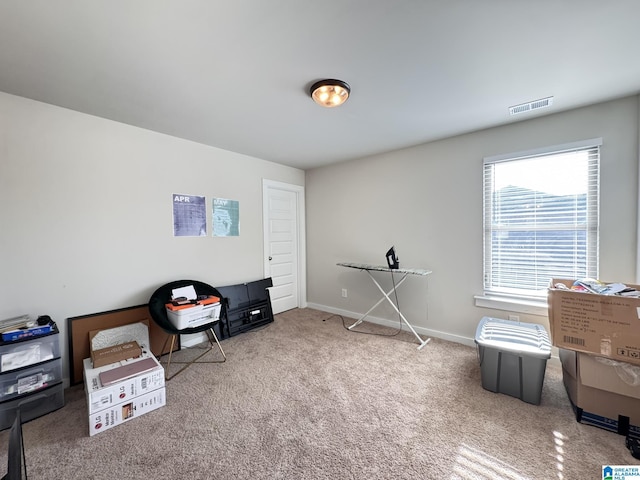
(20, 327)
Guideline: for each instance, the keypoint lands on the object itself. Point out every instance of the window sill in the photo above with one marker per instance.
(529, 307)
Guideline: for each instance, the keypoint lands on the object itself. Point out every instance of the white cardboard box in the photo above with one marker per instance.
(194, 316)
(125, 411)
(99, 397)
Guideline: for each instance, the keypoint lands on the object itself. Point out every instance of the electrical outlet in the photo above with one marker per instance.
(514, 318)
(344, 293)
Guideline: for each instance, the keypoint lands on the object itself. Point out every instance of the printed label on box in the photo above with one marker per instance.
(115, 353)
(605, 325)
(99, 397)
(125, 411)
(30, 383)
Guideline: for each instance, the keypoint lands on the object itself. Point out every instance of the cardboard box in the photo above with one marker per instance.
(100, 397)
(125, 411)
(599, 395)
(194, 316)
(130, 332)
(605, 325)
(115, 353)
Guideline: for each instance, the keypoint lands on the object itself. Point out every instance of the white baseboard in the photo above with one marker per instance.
(195, 339)
(394, 324)
(427, 332)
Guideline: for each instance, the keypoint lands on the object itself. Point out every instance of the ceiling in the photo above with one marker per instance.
(235, 74)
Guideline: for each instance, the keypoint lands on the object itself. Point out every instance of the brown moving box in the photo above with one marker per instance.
(605, 325)
(115, 353)
(599, 394)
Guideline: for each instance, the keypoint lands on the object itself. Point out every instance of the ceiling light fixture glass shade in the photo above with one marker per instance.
(330, 93)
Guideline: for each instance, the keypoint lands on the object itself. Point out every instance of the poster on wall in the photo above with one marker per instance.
(189, 216)
(226, 217)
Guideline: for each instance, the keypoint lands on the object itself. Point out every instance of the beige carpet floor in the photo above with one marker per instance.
(304, 398)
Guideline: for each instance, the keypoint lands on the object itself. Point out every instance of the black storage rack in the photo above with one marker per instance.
(248, 306)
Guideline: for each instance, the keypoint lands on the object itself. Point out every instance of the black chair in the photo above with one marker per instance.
(16, 465)
(158, 311)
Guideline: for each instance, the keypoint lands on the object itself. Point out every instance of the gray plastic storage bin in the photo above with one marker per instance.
(28, 351)
(32, 406)
(27, 380)
(513, 357)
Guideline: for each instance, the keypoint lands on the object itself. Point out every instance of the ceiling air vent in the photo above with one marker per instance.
(530, 106)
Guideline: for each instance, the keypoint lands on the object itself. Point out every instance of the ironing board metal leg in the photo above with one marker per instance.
(386, 296)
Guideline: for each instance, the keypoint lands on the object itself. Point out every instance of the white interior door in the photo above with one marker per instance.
(284, 259)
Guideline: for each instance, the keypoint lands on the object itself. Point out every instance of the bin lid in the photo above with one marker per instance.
(517, 337)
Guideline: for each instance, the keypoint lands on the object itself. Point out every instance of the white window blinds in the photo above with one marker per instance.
(541, 218)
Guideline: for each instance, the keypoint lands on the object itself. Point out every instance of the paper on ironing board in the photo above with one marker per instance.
(189, 292)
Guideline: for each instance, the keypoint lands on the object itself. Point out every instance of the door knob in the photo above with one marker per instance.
(270, 258)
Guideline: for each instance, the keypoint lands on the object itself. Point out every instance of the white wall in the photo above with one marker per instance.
(86, 216)
(427, 201)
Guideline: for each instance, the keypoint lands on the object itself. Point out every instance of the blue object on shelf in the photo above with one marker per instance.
(14, 335)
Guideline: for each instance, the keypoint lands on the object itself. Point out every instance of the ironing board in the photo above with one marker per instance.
(405, 272)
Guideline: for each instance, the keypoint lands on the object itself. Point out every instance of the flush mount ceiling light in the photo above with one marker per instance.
(330, 93)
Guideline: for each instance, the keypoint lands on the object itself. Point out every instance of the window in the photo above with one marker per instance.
(540, 218)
